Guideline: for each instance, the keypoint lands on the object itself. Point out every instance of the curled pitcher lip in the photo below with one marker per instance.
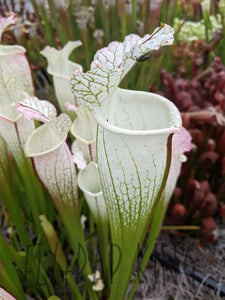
(174, 126)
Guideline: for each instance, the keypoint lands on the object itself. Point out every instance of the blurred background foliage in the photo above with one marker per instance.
(96, 23)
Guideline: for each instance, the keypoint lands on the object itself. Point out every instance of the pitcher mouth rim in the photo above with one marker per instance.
(175, 127)
(13, 49)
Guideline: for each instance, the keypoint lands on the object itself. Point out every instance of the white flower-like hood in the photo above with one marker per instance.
(96, 87)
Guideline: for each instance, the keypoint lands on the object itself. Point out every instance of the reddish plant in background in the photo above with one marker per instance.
(201, 99)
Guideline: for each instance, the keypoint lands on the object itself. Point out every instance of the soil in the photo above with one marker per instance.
(207, 259)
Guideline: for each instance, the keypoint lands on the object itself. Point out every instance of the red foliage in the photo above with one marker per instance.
(201, 100)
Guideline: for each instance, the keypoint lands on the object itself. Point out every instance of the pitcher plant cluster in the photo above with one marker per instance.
(111, 155)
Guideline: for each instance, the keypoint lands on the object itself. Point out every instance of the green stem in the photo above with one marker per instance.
(13, 280)
(134, 14)
(62, 37)
(150, 243)
(34, 194)
(123, 18)
(114, 22)
(74, 288)
(146, 16)
(187, 227)
(85, 40)
(100, 14)
(47, 28)
(13, 208)
(171, 11)
(93, 240)
(75, 232)
(104, 247)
